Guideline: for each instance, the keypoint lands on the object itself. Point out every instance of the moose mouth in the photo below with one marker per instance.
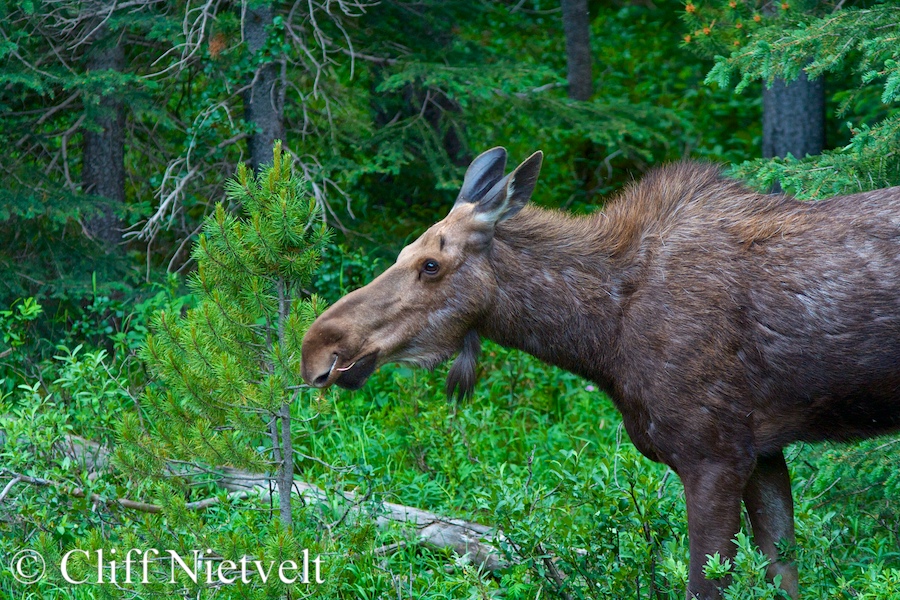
(354, 376)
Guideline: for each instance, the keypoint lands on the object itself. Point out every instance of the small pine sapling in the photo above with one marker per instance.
(228, 370)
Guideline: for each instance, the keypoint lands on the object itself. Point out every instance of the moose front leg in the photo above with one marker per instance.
(771, 508)
(713, 494)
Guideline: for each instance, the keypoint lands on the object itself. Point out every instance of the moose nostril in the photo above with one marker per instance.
(322, 379)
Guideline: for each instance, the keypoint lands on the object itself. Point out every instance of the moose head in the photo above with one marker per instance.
(425, 307)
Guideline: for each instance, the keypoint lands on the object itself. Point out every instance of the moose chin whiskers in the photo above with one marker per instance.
(462, 375)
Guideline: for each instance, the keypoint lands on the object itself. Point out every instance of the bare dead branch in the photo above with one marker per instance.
(475, 541)
(79, 492)
(194, 27)
(9, 486)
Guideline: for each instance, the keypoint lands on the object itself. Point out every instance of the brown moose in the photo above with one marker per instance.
(723, 322)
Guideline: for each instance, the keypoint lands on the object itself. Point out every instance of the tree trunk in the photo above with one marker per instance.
(577, 27)
(264, 100)
(794, 118)
(285, 445)
(286, 470)
(103, 157)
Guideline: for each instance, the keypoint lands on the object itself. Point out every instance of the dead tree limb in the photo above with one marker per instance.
(479, 543)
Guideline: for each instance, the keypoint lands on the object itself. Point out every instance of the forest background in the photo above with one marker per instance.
(154, 293)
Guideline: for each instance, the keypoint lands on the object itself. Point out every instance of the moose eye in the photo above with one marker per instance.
(430, 267)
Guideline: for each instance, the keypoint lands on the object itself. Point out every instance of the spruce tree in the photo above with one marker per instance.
(856, 45)
(228, 370)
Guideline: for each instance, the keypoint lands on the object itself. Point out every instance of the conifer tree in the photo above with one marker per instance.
(856, 44)
(230, 367)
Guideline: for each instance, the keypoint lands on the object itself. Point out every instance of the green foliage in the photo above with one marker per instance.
(857, 39)
(719, 26)
(15, 319)
(121, 321)
(542, 455)
(17, 327)
(538, 453)
(226, 367)
(344, 270)
(501, 80)
(234, 357)
(371, 124)
(51, 430)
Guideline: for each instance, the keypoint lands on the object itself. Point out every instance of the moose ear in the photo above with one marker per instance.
(486, 170)
(511, 193)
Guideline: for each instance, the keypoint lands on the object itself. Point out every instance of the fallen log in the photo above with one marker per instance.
(473, 541)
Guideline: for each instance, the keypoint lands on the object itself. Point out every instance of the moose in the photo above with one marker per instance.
(724, 324)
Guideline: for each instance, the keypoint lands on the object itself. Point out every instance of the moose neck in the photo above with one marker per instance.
(559, 290)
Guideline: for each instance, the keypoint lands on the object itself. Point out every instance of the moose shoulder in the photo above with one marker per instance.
(724, 323)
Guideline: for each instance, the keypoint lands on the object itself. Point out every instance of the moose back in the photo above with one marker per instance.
(724, 324)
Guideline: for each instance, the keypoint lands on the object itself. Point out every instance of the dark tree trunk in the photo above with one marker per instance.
(577, 27)
(794, 118)
(103, 158)
(264, 101)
